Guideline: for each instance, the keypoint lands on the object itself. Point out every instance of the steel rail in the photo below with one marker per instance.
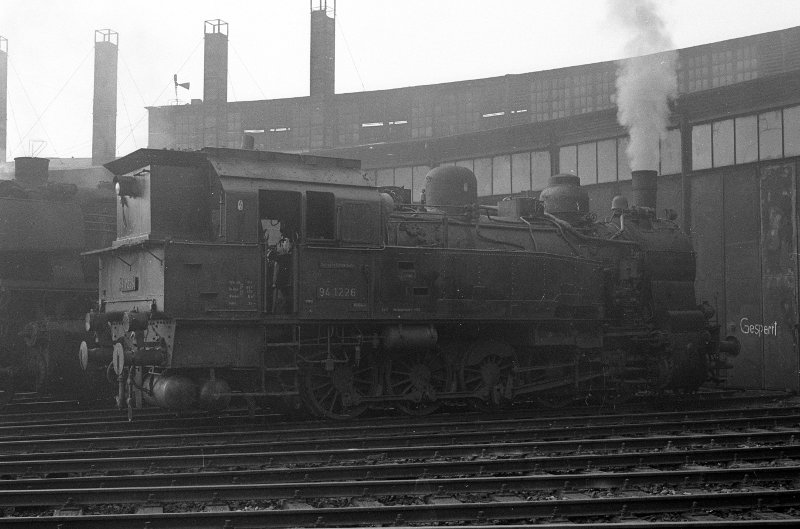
(405, 470)
(685, 479)
(452, 422)
(152, 418)
(553, 510)
(188, 441)
(530, 457)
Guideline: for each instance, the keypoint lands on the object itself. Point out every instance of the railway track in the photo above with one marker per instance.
(712, 467)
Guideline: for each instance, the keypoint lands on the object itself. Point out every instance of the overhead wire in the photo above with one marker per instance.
(47, 107)
(236, 52)
(130, 126)
(166, 87)
(131, 131)
(350, 53)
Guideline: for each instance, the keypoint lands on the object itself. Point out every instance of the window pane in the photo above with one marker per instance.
(403, 180)
(770, 139)
(320, 215)
(403, 174)
(540, 169)
(701, 147)
(671, 152)
(501, 175)
(791, 131)
(385, 177)
(381, 179)
(722, 136)
(419, 172)
(746, 139)
(483, 172)
(607, 161)
(568, 159)
(587, 163)
(520, 172)
(623, 165)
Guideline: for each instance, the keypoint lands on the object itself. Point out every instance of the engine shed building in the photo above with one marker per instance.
(728, 167)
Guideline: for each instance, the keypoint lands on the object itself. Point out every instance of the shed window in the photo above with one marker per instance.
(701, 146)
(320, 215)
(568, 159)
(722, 138)
(671, 152)
(791, 131)
(540, 169)
(520, 172)
(623, 163)
(587, 163)
(746, 139)
(607, 161)
(770, 136)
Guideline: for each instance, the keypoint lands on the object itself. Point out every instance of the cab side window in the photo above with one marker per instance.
(320, 215)
(279, 213)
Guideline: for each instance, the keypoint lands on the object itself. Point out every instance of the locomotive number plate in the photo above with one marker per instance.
(337, 292)
(128, 284)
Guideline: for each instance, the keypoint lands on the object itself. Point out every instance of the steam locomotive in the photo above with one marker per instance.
(45, 285)
(293, 279)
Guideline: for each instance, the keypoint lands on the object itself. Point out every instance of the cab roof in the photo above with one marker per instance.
(238, 163)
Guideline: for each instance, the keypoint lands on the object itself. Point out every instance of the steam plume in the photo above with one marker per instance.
(645, 81)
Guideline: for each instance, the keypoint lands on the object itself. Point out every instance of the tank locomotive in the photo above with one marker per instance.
(294, 279)
(45, 285)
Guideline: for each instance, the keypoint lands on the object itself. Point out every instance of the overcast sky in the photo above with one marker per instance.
(379, 44)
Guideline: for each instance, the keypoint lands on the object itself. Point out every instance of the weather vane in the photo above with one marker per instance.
(177, 84)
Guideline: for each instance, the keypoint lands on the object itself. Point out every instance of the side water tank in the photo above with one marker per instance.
(450, 188)
(565, 198)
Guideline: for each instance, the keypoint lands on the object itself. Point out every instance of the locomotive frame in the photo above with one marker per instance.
(292, 278)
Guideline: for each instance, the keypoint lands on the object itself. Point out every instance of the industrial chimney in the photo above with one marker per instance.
(104, 107)
(323, 48)
(215, 62)
(3, 96)
(322, 74)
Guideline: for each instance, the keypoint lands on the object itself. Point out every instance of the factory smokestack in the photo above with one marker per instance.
(646, 81)
(104, 107)
(215, 62)
(323, 49)
(3, 97)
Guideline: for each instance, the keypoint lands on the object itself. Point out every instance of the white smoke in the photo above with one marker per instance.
(646, 81)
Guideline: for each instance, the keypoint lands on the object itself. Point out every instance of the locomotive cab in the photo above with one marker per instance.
(208, 250)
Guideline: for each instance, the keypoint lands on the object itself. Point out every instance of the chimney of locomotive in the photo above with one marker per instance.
(645, 188)
(215, 62)
(104, 105)
(31, 172)
(248, 142)
(3, 96)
